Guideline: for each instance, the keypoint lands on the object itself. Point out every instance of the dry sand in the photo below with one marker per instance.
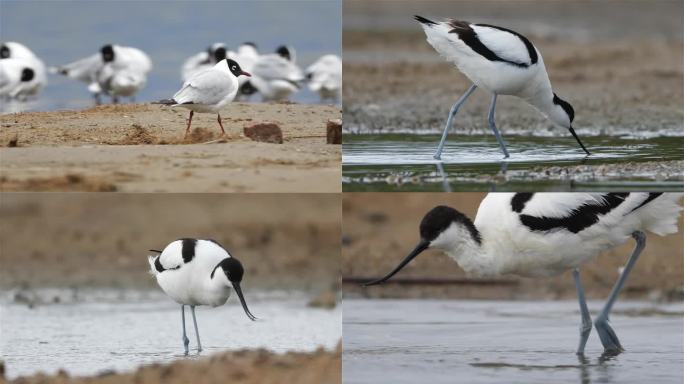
(47, 238)
(377, 236)
(242, 367)
(140, 148)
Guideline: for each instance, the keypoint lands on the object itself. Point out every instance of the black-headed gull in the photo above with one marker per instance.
(502, 62)
(276, 76)
(22, 73)
(325, 77)
(204, 60)
(209, 90)
(115, 70)
(247, 55)
(124, 72)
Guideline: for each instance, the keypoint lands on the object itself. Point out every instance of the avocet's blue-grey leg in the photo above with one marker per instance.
(194, 320)
(442, 174)
(492, 125)
(185, 337)
(452, 113)
(585, 327)
(608, 337)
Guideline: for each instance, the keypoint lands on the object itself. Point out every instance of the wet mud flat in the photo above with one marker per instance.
(401, 162)
(449, 341)
(142, 148)
(105, 331)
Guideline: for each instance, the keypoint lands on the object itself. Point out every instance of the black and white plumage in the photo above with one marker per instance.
(545, 234)
(325, 77)
(276, 75)
(502, 62)
(198, 272)
(22, 73)
(117, 71)
(209, 90)
(204, 60)
(247, 55)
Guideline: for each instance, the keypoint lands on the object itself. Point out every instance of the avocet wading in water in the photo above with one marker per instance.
(545, 234)
(197, 272)
(502, 62)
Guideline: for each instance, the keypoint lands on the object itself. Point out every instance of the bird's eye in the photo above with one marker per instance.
(234, 68)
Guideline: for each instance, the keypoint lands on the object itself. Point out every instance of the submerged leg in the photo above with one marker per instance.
(572, 130)
(608, 337)
(585, 327)
(185, 337)
(194, 320)
(189, 122)
(492, 125)
(220, 124)
(452, 113)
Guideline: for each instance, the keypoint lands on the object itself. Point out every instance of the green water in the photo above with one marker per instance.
(402, 162)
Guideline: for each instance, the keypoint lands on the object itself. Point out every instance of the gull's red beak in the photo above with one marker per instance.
(246, 73)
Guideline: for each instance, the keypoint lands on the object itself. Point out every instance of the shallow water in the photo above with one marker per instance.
(60, 32)
(405, 162)
(105, 331)
(411, 341)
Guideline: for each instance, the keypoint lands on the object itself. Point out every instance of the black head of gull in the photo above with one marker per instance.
(235, 68)
(4, 52)
(27, 74)
(107, 53)
(284, 52)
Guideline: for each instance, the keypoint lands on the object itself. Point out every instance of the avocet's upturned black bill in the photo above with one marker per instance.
(545, 234)
(198, 272)
(502, 62)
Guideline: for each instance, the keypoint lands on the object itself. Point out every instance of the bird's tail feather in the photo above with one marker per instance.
(423, 20)
(153, 270)
(165, 102)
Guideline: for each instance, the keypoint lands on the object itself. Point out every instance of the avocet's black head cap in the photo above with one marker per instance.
(435, 222)
(565, 105)
(235, 69)
(219, 54)
(107, 52)
(284, 52)
(233, 270)
(4, 52)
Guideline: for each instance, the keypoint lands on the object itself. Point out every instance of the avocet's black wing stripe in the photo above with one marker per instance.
(578, 219)
(159, 267)
(466, 33)
(519, 200)
(650, 198)
(530, 47)
(188, 249)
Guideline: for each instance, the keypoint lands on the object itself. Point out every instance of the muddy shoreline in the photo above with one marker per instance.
(257, 366)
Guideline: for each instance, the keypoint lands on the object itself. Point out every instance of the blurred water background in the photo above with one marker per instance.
(59, 32)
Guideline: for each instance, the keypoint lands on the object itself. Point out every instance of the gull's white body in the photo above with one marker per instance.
(84, 70)
(11, 69)
(127, 74)
(275, 77)
(191, 283)
(508, 247)
(209, 90)
(326, 77)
